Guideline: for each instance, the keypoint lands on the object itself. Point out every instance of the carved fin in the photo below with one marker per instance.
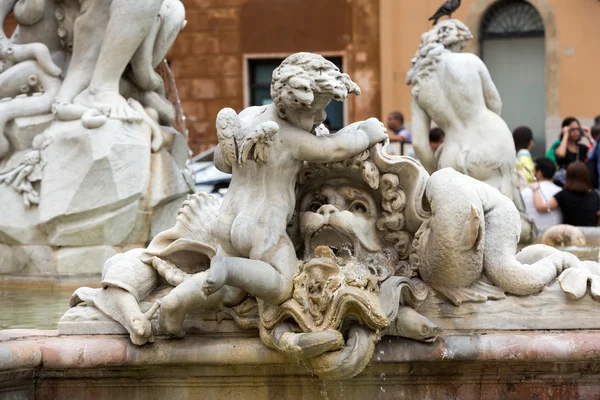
(478, 292)
(228, 128)
(472, 229)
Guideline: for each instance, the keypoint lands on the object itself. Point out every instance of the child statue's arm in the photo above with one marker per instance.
(340, 146)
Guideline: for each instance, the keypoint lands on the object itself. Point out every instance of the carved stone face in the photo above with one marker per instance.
(341, 217)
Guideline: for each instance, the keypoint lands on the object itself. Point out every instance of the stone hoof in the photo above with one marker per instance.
(217, 275)
(140, 330)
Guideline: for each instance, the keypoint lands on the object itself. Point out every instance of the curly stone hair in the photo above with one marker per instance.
(303, 75)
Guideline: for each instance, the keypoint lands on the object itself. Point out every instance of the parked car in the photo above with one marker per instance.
(207, 177)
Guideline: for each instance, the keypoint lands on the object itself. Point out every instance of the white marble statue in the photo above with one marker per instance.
(306, 271)
(455, 91)
(265, 148)
(89, 156)
(324, 244)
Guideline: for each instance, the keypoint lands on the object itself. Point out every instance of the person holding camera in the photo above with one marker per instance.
(569, 148)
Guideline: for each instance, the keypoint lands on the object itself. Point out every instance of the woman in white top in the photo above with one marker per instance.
(544, 171)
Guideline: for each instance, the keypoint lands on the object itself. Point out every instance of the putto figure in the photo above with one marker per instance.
(265, 148)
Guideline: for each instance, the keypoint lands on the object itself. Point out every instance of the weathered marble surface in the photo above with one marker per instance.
(89, 155)
(514, 365)
(455, 91)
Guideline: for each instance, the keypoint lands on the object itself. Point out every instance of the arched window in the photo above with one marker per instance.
(511, 19)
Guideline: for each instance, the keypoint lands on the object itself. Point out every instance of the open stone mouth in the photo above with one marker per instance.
(340, 244)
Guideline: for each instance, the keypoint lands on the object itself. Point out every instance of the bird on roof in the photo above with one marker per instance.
(446, 9)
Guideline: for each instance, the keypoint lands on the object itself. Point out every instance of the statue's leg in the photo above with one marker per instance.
(130, 23)
(157, 44)
(188, 296)
(268, 275)
(89, 30)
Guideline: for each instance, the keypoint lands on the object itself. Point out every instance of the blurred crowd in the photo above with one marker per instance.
(560, 188)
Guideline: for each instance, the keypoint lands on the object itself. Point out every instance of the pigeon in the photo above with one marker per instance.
(446, 9)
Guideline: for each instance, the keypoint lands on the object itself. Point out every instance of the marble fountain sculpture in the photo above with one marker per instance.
(91, 162)
(478, 142)
(327, 257)
(324, 244)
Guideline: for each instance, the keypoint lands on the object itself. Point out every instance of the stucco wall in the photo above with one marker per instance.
(574, 75)
(208, 58)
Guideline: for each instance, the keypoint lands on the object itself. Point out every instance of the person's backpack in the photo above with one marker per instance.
(592, 166)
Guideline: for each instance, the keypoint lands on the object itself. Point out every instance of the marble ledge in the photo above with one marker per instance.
(24, 349)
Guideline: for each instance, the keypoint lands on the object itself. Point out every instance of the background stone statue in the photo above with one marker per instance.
(455, 91)
(90, 160)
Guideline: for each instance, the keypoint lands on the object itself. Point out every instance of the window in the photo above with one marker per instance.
(260, 73)
(511, 19)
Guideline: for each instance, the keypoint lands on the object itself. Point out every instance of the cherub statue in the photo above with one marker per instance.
(455, 91)
(265, 148)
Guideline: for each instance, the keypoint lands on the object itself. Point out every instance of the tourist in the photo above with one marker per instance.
(436, 138)
(523, 137)
(593, 162)
(567, 148)
(395, 123)
(578, 201)
(544, 171)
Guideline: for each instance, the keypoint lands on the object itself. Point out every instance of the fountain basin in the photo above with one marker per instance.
(511, 365)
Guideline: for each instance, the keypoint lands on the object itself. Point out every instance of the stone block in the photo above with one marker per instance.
(33, 260)
(18, 224)
(7, 259)
(21, 131)
(104, 228)
(141, 228)
(94, 170)
(163, 217)
(167, 179)
(80, 261)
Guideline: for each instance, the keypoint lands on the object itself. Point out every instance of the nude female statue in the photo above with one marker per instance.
(455, 91)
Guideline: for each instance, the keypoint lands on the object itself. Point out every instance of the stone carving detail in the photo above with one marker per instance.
(461, 255)
(86, 129)
(455, 91)
(323, 243)
(24, 175)
(325, 289)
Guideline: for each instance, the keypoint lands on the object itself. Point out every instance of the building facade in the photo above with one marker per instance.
(542, 54)
(226, 54)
